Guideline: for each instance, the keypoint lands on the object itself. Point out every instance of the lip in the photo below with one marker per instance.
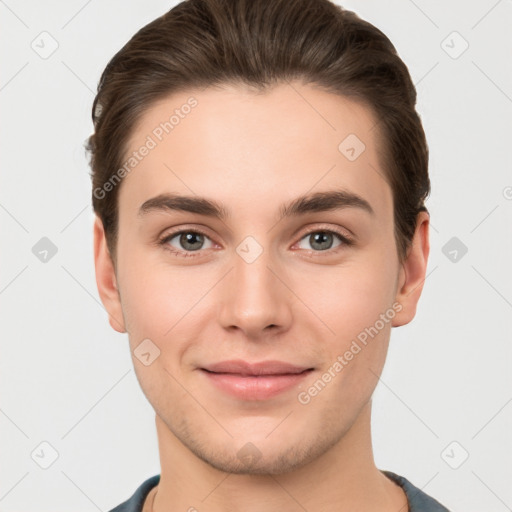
(255, 381)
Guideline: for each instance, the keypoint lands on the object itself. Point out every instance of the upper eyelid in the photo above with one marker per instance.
(309, 230)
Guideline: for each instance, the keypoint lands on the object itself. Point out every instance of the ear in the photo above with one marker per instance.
(412, 272)
(106, 280)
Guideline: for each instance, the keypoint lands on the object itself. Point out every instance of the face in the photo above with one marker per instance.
(317, 288)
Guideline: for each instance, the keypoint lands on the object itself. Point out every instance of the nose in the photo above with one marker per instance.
(254, 296)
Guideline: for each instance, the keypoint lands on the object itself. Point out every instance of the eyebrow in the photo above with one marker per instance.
(315, 202)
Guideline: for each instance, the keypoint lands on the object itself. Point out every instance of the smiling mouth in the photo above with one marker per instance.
(259, 380)
(241, 367)
(245, 374)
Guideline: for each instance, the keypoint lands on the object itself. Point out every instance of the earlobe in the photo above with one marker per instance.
(412, 272)
(106, 280)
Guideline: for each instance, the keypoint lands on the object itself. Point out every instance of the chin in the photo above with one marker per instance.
(257, 454)
(255, 462)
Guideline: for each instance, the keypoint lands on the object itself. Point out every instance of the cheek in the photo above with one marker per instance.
(356, 305)
(159, 298)
(157, 295)
(354, 295)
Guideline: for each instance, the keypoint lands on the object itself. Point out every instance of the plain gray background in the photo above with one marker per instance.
(67, 378)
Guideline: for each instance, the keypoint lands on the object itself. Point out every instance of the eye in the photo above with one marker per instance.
(189, 241)
(322, 240)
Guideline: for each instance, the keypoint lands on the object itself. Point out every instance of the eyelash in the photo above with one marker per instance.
(347, 242)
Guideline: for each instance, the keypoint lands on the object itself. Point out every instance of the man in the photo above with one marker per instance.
(259, 176)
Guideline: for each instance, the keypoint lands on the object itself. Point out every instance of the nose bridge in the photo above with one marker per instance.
(253, 297)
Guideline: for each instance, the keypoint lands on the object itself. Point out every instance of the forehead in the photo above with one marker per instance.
(233, 144)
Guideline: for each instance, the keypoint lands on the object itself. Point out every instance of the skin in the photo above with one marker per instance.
(253, 152)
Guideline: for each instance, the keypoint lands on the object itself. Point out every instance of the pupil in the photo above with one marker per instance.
(189, 238)
(321, 237)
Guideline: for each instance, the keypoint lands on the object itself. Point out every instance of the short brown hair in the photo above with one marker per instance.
(261, 43)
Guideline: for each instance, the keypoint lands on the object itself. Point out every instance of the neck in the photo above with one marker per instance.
(342, 479)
